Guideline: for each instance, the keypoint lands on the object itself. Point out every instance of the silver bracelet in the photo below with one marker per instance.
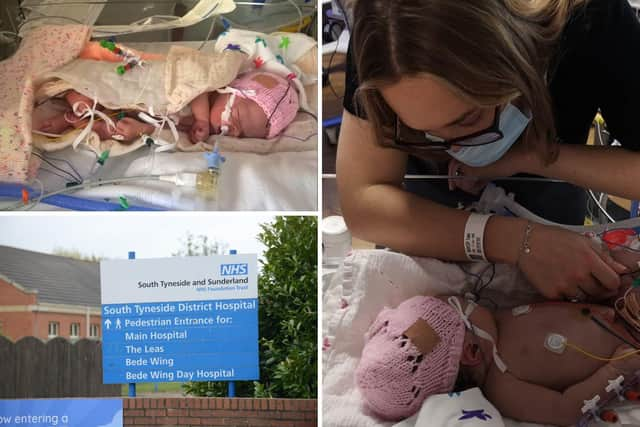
(525, 248)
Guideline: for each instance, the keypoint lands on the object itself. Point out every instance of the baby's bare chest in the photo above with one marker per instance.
(540, 346)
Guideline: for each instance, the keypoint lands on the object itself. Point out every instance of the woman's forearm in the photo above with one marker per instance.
(611, 170)
(388, 215)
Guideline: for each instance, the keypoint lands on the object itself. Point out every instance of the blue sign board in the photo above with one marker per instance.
(180, 319)
(61, 412)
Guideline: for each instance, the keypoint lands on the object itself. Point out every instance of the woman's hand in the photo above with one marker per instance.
(565, 264)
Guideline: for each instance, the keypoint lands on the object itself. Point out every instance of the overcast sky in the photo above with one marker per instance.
(114, 235)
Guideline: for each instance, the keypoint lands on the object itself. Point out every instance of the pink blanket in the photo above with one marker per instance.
(42, 50)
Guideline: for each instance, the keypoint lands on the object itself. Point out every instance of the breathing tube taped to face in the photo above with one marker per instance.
(465, 314)
(14, 191)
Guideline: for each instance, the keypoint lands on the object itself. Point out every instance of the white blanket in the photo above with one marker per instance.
(466, 409)
(248, 181)
(370, 280)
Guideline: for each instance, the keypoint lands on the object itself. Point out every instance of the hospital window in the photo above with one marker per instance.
(94, 330)
(74, 330)
(54, 328)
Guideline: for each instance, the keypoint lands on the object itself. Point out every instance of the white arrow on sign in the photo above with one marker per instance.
(107, 323)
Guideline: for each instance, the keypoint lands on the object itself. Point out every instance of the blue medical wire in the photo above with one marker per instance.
(56, 198)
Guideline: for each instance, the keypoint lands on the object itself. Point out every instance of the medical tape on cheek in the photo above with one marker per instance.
(455, 303)
(226, 113)
(496, 357)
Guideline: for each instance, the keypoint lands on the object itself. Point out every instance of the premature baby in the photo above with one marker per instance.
(535, 371)
(255, 105)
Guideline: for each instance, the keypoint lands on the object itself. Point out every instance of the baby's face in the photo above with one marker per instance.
(247, 119)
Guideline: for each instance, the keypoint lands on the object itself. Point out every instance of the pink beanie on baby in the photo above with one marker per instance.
(411, 352)
(279, 101)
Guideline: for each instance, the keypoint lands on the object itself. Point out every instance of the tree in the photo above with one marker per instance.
(75, 254)
(200, 246)
(288, 286)
(287, 293)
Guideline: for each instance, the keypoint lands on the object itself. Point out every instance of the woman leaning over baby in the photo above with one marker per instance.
(491, 88)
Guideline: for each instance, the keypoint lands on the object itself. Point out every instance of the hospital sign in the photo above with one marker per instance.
(180, 319)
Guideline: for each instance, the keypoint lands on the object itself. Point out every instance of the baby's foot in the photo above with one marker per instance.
(199, 131)
(129, 129)
(56, 125)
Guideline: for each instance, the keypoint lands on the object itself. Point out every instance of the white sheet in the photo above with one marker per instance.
(367, 282)
(448, 410)
(277, 181)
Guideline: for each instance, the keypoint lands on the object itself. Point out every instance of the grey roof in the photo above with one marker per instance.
(57, 279)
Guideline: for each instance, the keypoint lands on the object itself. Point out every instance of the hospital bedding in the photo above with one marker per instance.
(258, 175)
(249, 181)
(370, 280)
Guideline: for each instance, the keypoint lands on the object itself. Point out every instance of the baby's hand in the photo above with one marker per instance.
(199, 131)
(626, 257)
(627, 365)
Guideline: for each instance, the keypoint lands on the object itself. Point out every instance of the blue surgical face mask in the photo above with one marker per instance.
(512, 123)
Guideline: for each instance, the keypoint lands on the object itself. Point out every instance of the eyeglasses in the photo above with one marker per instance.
(416, 140)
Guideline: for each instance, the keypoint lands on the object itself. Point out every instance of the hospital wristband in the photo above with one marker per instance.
(474, 237)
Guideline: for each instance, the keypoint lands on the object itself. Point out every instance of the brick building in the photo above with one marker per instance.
(47, 296)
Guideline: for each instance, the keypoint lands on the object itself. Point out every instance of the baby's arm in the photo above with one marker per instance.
(529, 402)
(200, 109)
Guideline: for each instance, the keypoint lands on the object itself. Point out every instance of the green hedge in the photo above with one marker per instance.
(287, 291)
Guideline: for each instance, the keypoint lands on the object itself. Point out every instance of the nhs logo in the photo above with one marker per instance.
(234, 269)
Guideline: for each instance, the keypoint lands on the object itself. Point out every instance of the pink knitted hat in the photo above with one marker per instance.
(279, 101)
(393, 375)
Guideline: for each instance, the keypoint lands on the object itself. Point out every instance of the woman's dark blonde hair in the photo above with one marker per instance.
(489, 52)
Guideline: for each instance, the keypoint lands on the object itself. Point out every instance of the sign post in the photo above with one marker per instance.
(231, 387)
(180, 319)
(132, 386)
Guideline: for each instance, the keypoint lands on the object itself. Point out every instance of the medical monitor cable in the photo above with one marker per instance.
(480, 285)
(75, 177)
(87, 184)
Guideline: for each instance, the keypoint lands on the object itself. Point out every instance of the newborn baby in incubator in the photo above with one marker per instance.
(536, 363)
(255, 105)
(529, 362)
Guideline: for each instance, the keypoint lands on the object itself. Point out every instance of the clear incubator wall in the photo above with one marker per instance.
(264, 16)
